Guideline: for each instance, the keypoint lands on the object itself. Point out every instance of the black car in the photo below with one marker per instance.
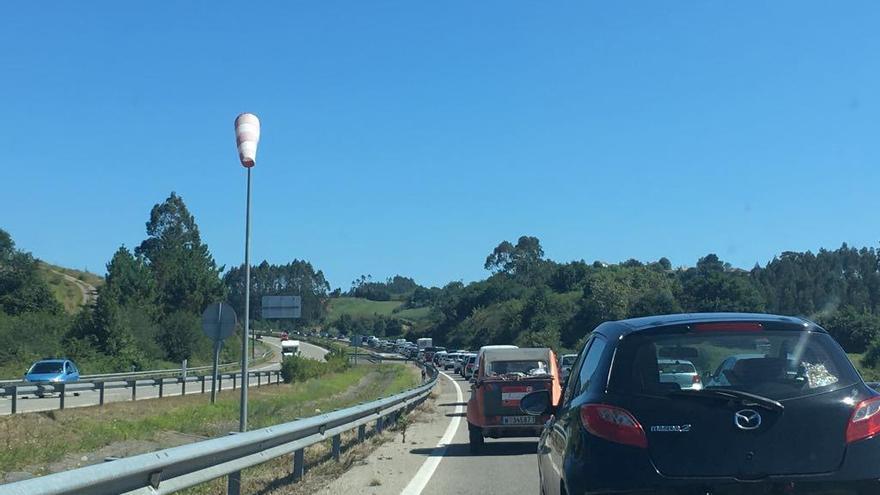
(775, 408)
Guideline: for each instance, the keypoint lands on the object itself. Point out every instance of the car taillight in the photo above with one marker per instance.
(696, 379)
(728, 327)
(865, 421)
(613, 424)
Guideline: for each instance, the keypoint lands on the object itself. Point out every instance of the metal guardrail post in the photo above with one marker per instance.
(202, 379)
(259, 376)
(379, 425)
(337, 447)
(100, 393)
(133, 384)
(62, 387)
(233, 483)
(299, 464)
(362, 433)
(219, 382)
(161, 387)
(14, 391)
(183, 387)
(234, 377)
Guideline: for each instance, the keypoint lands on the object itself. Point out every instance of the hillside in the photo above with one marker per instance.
(358, 307)
(72, 288)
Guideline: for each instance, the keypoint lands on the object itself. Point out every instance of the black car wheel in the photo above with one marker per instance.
(475, 434)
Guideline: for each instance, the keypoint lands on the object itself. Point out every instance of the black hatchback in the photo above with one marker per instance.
(717, 403)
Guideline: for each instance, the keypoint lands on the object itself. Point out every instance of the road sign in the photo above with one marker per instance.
(218, 321)
(281, 307)
(357, 340)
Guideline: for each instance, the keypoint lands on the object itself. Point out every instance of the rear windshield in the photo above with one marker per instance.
(47, 368)
(677, 367)
(523, 367)
(779, 365)
(568, 360)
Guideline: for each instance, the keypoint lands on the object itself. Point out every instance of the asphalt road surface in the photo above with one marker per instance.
(436, 458)
(90, 398)
(509, 463)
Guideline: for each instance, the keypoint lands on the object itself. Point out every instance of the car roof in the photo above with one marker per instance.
(52, 361)
(620, 328)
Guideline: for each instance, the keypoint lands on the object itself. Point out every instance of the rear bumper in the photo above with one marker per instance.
(506, 431)
(604, 468)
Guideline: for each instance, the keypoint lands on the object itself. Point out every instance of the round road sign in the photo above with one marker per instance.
(218, 321)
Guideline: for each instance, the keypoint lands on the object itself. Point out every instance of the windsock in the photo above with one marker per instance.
(247, 135)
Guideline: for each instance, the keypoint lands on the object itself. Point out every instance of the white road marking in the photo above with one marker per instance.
(423, 476)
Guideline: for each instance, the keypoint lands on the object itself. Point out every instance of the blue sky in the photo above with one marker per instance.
(412, 137)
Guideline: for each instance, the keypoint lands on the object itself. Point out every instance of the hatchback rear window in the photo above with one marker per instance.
(523, 367)
(775, 364)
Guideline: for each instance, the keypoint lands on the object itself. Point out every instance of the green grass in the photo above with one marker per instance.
(65, 291)
(86, 276)
(358, 307)
(869, 374)
(39, 439)
(414, 314)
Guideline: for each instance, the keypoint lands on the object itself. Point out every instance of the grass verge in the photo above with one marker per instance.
(34, 442)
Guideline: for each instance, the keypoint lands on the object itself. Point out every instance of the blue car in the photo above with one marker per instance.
(53, 371)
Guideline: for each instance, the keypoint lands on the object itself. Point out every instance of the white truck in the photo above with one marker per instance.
(425, 342)
(289, 348)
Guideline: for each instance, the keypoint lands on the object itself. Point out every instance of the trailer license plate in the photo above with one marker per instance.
(518, 420)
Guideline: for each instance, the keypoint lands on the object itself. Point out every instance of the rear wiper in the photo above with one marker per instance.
(746, 397)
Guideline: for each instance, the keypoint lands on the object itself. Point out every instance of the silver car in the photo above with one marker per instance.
(680, 371)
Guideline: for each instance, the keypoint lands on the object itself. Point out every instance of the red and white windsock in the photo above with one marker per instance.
(247, 135)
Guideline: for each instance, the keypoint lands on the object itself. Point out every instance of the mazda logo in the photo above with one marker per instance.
(747, 419)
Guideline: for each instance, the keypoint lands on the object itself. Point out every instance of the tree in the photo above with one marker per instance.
(185, 274)
(22, 290)
(129, 280)
(714, 286)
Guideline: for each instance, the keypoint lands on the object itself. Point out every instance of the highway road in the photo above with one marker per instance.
(511, 463)
(436, 458)
(90, 398)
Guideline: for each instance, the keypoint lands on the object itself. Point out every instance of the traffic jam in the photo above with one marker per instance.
(714, 403)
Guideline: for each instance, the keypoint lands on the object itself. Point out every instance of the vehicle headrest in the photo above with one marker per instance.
(755, 370)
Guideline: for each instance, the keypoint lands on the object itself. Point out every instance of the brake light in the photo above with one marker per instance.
(728, 327)
(613, 424)
(696, 379)
(865, 421)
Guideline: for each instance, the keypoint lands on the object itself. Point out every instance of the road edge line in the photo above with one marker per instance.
(426, 471)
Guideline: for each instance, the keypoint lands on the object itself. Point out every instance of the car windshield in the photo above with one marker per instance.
(47, 367)
(779, 365)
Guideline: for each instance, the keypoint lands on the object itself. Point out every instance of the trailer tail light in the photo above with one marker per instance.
(865, 421)
(613, 424)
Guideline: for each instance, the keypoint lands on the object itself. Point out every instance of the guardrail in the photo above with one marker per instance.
(13, 392)
(127, 374)
(170, 470)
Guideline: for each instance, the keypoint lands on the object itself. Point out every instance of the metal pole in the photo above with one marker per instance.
(242, 419)
(217, 344)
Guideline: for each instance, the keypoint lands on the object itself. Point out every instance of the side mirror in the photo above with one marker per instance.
(535, 403)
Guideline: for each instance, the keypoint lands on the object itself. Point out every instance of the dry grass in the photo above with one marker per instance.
(34, 442)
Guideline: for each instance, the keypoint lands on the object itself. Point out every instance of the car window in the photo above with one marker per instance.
(591, 363)
(47, 367)
(572, 383)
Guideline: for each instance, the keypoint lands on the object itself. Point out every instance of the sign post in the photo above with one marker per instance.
(218, 323)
